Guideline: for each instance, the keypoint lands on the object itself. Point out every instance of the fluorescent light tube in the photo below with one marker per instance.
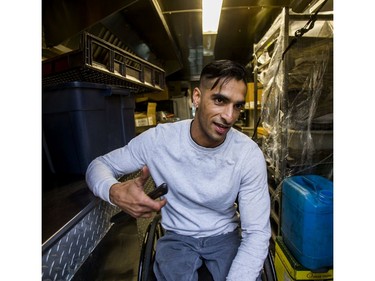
(211, 10)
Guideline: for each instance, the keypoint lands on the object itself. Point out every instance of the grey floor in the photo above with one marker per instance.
(115, 258)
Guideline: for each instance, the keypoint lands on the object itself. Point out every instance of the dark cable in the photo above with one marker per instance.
(308, 26)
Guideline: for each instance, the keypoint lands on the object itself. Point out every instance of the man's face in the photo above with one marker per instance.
(218, 109)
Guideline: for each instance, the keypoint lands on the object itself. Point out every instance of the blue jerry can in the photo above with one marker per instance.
(307, 220)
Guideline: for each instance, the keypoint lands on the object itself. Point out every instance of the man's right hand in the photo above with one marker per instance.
(131, 198)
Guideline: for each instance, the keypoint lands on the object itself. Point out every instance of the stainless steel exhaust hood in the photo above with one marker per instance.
(165, 33)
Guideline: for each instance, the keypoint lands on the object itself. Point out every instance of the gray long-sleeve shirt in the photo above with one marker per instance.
(203, 186)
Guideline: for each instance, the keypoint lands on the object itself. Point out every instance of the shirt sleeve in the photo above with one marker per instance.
(104, 171)
(254, 206)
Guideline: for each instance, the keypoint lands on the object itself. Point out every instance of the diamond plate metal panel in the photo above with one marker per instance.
(142, 223)
(62, 257)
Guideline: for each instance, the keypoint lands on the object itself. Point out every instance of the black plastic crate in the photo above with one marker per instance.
(82, 121)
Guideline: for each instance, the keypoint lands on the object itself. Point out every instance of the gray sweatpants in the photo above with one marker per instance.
(178, 257)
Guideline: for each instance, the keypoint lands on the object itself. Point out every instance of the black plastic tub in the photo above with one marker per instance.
(81, 121)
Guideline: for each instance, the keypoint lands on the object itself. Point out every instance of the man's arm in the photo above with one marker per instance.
(254, 205)
(101, 178)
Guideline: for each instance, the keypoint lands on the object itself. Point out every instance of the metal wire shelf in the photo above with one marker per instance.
(98, 61)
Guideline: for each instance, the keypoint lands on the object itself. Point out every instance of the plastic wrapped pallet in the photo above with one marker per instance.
(297, 99)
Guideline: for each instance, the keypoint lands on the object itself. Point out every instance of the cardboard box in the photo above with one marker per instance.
(146, 118)
(288, 269)
(250, 93)
(151, 113)
(141, 119)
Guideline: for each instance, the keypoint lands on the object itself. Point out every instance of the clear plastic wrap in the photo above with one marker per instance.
(297, 99)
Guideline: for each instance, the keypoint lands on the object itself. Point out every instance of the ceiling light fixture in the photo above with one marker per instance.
(211, 10)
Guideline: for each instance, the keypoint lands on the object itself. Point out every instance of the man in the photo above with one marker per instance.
(207, 166)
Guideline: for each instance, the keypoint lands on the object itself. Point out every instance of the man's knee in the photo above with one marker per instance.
(176, 260)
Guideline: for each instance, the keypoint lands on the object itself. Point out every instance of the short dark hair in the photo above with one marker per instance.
(223, 69)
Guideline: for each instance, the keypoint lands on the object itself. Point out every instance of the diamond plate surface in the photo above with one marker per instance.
(142, 223)
(62, 259)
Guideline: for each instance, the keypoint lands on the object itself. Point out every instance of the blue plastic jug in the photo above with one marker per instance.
(307, 220)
